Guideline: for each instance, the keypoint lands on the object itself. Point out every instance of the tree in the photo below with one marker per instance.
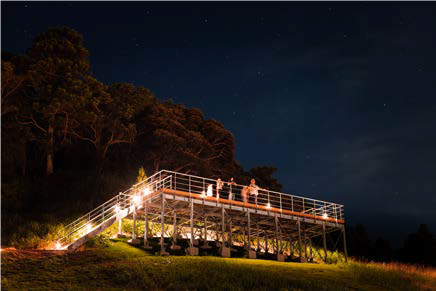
(61, 82)
(10, 86)
(107, 119)
(420, 247)
(180, 139)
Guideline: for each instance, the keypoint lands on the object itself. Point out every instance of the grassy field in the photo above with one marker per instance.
(121, 266)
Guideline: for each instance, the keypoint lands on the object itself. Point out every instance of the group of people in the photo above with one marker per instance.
(248, 193)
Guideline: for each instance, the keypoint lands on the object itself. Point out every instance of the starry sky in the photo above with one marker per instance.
(340, 97)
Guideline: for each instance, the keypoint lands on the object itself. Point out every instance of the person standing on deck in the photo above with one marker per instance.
(231, 183)
(219, 187)
(254, 190)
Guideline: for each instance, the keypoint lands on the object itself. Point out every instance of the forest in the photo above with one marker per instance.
(70, 142)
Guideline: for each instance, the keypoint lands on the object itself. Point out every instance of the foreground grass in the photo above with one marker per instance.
(121, 266)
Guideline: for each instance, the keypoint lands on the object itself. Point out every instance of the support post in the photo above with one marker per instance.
(134, 239)
(191, 221)
(191, 250)
(300, 251)
(230, 234)
(266, 242)
(345, 244)
(280, 256)
(162, 226)
(324, 241)
(310, 245)
(175, 229)
(146, 227)
(120, 228)
(225, 251)
(249, 231)
(258, 239)
(134, 224)
(205, 230)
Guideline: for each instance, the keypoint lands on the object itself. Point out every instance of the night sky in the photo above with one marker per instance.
(340, 97)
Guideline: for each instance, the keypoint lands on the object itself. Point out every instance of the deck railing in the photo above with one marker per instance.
(244, 193)
(135, 196)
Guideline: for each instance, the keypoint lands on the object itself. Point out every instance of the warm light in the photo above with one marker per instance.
(117, 209)
(136, 199)
(58, 246)
(268, 205)
(146, 191)
(324, 215)
(88, 228)
(203, 194)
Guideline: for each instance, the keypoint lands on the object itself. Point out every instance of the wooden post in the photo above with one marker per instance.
(324, 241)
(230, 234)
(266, 242)
(258, 239)
(205, 229)
(249, 230)
(310, 244)
(345, 244)
(300, 251)
(120, 227)
(276, 234)
(191, 242)
(134, 224)
(223, 226)
(146, 228)
(175, 229)
(162, 221)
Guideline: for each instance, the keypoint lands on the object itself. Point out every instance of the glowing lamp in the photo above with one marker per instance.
(325, 215)
(268, 205)
(146, 191)
(136, 199)
(58, 246)
(203, 194)
(88, 228)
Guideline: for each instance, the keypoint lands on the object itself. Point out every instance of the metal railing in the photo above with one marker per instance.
(261, 198)
(116, 206)
(139, 193)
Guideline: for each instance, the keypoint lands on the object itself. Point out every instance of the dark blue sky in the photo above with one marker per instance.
(340, 97)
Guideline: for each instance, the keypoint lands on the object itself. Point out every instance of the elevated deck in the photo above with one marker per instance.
(195, 208)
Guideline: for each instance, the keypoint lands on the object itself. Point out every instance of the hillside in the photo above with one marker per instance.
(119, 265)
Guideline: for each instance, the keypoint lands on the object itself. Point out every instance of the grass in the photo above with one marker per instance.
(121, 266)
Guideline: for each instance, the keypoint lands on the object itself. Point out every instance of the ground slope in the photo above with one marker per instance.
(121, 266)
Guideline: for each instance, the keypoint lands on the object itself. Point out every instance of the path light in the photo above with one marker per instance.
(268, 205)
(325, 215)
(58, 246)
(88, 228)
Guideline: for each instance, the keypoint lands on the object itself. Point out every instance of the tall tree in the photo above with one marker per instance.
(10, 86)
(107, 119)
(61, 81)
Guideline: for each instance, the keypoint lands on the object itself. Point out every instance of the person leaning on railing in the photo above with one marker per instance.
(219, 187)
(230, 184)
(253, 189)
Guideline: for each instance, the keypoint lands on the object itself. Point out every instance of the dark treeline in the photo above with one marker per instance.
(418, 247)
(69, 141)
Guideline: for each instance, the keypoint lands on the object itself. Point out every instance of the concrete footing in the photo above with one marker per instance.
(134, 241)
(164, 253)
(225, 252)
(281, 257)
(252, 254)
(175, 247)
(192, 251)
